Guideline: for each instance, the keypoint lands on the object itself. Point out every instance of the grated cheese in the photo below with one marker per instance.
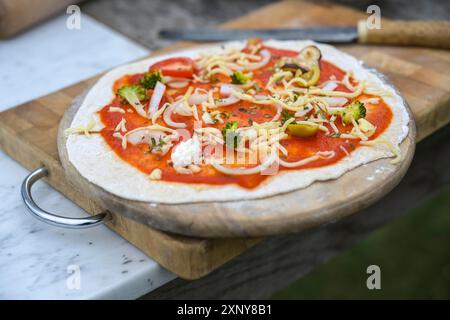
(156, 174)
(396, 152)
(80, 129)
(116, 109)
(121, 126)
(357, 131)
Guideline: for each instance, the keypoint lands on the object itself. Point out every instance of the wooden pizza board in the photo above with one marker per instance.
(289, 212)
(28, 132)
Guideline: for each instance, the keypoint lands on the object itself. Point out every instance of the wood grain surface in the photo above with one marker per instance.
(28, 132)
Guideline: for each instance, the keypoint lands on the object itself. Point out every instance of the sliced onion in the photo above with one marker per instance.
(157, 95)
(329, 85)
(149, 136)
(178, 84)
(265, 55)
(303, 112)
(225, 90)
(336, 101)
(167, 118)
(181, 108)
(144, 136)
(347, 83)
(227, 101)
(197, 98)
(245, 171)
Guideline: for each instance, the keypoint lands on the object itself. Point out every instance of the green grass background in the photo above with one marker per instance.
(413, 254)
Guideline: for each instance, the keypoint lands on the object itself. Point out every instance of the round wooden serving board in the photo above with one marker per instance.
(321, 202)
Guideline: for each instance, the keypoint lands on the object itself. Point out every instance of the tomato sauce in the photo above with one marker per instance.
(244, 113)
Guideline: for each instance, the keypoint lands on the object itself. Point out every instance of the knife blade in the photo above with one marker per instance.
(433, 34)
(330, 35)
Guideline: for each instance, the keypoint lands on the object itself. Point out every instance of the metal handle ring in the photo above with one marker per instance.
(50, 218)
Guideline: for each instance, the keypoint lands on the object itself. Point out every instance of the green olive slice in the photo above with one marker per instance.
(302, 130)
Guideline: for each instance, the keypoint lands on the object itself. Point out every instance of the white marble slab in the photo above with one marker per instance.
(51, 57)
(37, 260)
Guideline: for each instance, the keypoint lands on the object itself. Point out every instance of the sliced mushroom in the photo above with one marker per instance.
(294, 67)
(312, 76)
(310, 55)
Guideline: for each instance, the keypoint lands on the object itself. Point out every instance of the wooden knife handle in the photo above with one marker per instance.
(435, 34)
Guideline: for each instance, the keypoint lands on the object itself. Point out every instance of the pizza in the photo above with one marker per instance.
(241, 120)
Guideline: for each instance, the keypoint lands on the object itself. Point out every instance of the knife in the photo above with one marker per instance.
(435, 34)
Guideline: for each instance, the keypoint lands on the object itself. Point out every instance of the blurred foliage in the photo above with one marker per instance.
(413, 254)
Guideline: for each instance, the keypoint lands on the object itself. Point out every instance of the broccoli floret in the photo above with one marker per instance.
(240, 78)
(128, 91)
(133, 95)
(355, 110)
(150, 79)
(229, 132)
